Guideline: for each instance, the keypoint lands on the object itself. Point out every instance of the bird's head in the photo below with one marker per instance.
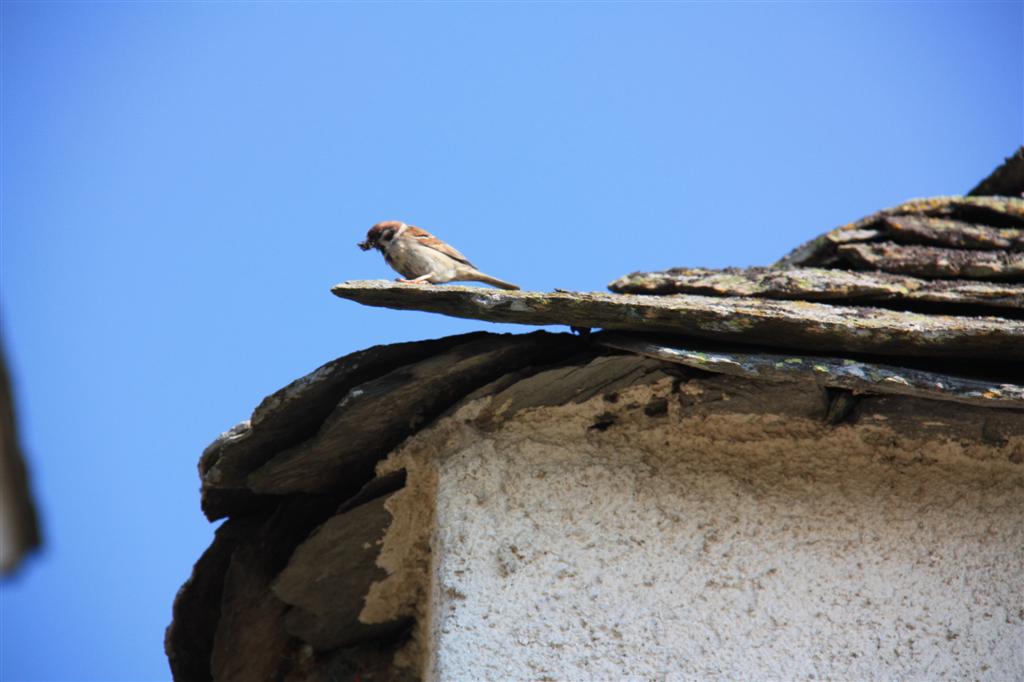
(380, 235)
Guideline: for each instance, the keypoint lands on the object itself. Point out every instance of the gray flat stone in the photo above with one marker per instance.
(856, 376)
(973, 221)
(821, 284)
(375, 416)
(794, 325)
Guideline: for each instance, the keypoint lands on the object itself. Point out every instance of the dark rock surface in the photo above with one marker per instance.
(931, 261)
(329, 572)
(358, 432)
(248, 643)
(197, 606)
(1007, 180)
(293, 415)
(918, 229)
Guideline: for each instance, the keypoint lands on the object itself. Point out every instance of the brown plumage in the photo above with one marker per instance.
(421, 257)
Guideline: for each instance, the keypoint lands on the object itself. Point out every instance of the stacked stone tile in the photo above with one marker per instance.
(910, 317)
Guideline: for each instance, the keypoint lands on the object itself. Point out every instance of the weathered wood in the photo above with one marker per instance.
(931, 261)
(329, 575)
(780, 324)
(1006, 180)
(820, 284)
(857, 376)
(377, 415)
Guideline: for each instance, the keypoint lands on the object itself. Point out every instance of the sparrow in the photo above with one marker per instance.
(421, 257)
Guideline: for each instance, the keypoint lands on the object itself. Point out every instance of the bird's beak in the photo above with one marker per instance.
(365, 246)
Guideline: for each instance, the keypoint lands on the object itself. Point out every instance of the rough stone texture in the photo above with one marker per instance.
(297, 410)
(329, 573)
(322, 433)
(405, 550)
(820, 284)
(716, 538)
(945, 255)
(930, 261)
(294, 414)
(1007, 180)
(857, 376)
(780, 324)
(916, 229)
(377, 415)
(970, 214)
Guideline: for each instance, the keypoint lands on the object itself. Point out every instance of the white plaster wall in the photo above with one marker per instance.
(690, 546)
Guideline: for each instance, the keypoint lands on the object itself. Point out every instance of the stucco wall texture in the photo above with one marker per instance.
(672, 545)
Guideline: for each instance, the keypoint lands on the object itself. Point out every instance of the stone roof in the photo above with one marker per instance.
(937, 277)
(760, 322)
(279, 593)
(1007, 180)
(946, 254)
(910, 318)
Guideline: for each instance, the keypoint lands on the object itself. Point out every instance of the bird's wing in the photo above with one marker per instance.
(427, 239)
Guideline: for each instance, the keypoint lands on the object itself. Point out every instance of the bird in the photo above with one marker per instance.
(421, 257)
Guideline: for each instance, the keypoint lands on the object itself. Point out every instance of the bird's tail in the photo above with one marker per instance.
(494, 281)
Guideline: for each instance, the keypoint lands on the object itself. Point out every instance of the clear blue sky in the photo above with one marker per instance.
(182, 184)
